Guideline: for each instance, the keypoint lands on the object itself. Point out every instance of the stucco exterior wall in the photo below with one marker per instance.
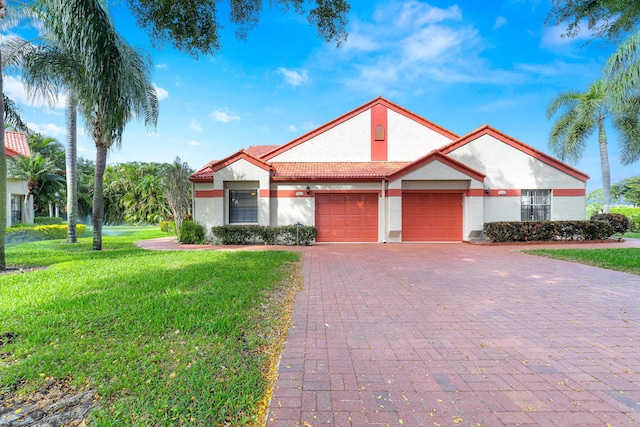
(349, 141)
(19, 187)
(509, 168)
(409, 140)
(568, 208)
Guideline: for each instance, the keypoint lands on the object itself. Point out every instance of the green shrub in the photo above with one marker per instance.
(269, 235)
(191, 233)
(633, 214)
(168, 226)
(298, 234)
(47, 220)
(544, 231)
(33, 233)
(619, 222)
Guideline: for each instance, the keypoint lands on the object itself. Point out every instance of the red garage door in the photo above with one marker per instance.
(347, 217)
(429, 217)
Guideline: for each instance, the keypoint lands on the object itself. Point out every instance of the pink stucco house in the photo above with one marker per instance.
(381, 173)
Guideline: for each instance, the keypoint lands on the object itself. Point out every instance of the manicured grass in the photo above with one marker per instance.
(166, 338)
(621, 259)
(632, 235)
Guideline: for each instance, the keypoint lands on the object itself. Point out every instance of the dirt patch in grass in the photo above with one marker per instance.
(56, 404)
(19, 270)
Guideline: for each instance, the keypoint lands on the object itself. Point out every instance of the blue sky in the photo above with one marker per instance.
(459, 64)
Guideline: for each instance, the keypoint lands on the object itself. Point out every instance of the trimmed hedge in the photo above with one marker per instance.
(191, 233)
(619, 222)
(633, 214)
(32, 233)
(47, 220)
(544, 231)
(266, 234)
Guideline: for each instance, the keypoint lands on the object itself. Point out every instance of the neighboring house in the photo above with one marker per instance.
(381, 173)
(19, 209)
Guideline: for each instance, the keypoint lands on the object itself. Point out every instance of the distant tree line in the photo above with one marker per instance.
(134, 192)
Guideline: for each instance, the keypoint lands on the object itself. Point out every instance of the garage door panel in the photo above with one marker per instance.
(347, 217)
(431, 216)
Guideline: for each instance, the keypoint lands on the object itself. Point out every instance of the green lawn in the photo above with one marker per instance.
(166, 338)
(621, 259)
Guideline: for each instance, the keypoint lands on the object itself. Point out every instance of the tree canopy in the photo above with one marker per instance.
(193, 26)
(605, 18)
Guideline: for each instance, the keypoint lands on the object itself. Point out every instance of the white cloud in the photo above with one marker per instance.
(195, 143)
(47, 129)
(552, 37)
(407, 44)
(224, 115)
(162, 66)
(195, 125)
(14, 88)
(294, 77)
(292, 128)
(501, 21)
(161, 93)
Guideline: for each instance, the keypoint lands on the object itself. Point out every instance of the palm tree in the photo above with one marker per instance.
(40, 174)
(582, 113)
(115, 78)
(623, 72)
(3, 162)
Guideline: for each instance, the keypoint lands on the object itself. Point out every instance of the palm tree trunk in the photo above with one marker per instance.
(3, 164)
(98, 195)
(604, 164)
(72, 169)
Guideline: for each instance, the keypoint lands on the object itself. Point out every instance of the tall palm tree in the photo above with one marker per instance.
(116, 81)
(582, 113)
(623, 72)
(3, 162)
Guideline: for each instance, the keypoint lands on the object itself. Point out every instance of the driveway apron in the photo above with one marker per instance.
(458, 335)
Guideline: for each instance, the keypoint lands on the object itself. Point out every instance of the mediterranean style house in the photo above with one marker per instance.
(381, 173)
(19, 208)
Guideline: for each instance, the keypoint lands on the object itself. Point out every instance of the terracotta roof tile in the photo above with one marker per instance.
(320, 170)
(205, 172)
(260, 150)
(16, 143)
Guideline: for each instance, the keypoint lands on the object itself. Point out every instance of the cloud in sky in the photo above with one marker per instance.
(224, 115)
(48, 129)
(294, 77)
(14, 89)
(195, 125)
(161, 93)
(162, 66)
(407, 42)
(501, 21)
(195, 143)
(552, 36)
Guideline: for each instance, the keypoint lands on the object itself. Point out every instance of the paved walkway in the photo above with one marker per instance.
(459, 335)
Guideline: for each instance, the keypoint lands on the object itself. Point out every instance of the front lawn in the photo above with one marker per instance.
(621, 259)
(164, 337)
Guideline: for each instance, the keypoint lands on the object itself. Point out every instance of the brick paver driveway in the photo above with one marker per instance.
(458, 335)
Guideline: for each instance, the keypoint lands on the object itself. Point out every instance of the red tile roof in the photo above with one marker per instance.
(205, 173)
(336, 170)
(260, 150)
(16, 143)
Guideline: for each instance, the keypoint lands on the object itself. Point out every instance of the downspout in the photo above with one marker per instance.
(384, 213)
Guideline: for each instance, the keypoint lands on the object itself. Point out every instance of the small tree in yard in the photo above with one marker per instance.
(178, 191)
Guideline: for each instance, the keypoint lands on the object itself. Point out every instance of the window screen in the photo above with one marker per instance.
(536, 205)
(243, 206)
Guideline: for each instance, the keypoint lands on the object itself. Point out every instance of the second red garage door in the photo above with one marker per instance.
(431, 217)
(346, 217)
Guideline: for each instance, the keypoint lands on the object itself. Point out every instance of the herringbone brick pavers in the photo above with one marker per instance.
(457, 334)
